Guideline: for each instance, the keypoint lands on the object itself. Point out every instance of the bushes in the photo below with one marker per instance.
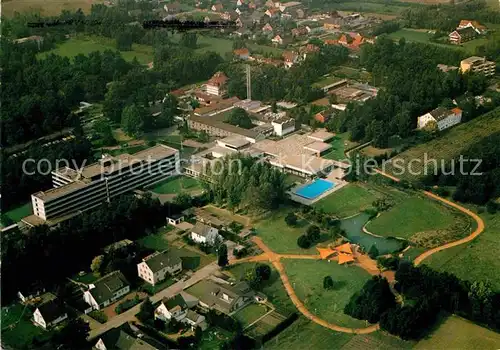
(304, 242)
(291, 219)
(99, 316)
(328, 283)
(239, 253)
(390, 263)
(127, 304)
(311, 236)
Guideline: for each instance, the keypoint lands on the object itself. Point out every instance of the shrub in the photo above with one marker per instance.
(99, 316)
(373, 252)
(328, 283)
(127, 304)
(313, 233)
(304, 242)
(291, 219)
(263, 271)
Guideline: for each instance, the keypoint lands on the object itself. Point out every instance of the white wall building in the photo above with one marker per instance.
(443, 117)
(158, 266)
(106, 290)
(49, 314)
(202, 233)
(283, 126)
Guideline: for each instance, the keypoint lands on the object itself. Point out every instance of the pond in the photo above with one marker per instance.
(354, 232)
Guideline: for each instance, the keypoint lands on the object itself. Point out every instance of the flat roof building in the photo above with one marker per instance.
(321, 136)
(478, 65)
(75, 191)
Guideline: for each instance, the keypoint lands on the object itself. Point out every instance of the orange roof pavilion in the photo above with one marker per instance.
(325, 252)
(345, 258)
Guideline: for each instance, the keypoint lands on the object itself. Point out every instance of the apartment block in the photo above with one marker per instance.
(78, 190)
(478, 65)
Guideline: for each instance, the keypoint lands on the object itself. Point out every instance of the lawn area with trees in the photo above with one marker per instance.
(340, 144)
(349, 200)
(175, 185)
(411, 216)
(306, 277)
(250, 314)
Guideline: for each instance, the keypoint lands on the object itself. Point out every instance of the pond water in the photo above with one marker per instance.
(354, 232)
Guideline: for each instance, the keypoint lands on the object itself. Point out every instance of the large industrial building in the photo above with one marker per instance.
(75, 191)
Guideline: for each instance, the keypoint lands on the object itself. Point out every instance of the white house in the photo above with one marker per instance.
(175, 307)
(175, 219)
(217, 84)
(158, 266)
(195, 320)
(49, 314)
(443, 117)
(277, 39)
(283, 126)
(202, 233)
(239, 2)
(117, 338)
(106, 290)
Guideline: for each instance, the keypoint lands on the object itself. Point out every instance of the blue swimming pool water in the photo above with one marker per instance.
(314, 189)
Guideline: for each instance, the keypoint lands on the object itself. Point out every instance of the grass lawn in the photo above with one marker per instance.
(476, 261)
(250, 314)
(213, 338)
(87, 44)
(347, 201)
(411, 216)
(129, 150)
(306, 277)
(449, 146)
(280, 237)
(458, 333)
(192, 260)
(176, 185)
(340, 143)
(45, 7)
(17, 329)
(16, 214)
(377, 341)
(87, 278)
(326, 81)
(352, 73)
(156, 241)
(370, 7)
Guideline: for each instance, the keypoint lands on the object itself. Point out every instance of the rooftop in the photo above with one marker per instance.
(225, 126)
(318, 146)
(158, 261)
(201, 229)
(474, 59)
(321, 135)
(235, 141)
(105, 287)
(51, 310)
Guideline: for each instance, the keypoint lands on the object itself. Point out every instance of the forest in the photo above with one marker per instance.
(44, 256)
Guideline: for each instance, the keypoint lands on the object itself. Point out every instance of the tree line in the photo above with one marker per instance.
(45, 256)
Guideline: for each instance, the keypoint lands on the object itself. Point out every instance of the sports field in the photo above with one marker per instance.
(45, 7)
(326, 81)
(87, 44)
(411, 216)
(349, 200)
(176, 185)
(449, 146)
(460, 334)
(306, 277)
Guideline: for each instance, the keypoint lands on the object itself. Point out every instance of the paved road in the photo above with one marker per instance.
(174, 289)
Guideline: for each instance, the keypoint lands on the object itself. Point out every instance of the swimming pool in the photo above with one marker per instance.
(314, 189)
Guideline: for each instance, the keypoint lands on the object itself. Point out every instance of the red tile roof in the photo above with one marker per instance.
(218, 79)
(241, 52)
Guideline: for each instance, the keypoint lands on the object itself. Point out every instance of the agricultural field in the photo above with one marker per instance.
(45, 7)
(265, 324)
(348, 201)
(476, 261)
(406, 218)
(15, 215)
(340, 144)
(87, 44)
(377, 341)
(458, 333)
(176, 185)
(446, 147)
(306, 277)
(391, 9)
(278, 235)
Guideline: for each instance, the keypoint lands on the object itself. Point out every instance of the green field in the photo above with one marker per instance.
(476, 261)
(279, 236)
(347, 201)
(326, 81)
(374, 7)
(15, 215)
(340, 144)
(87, 44)
(156, 241)
(459, 334)
(413, 215)
(45, 7)
(352, 73)
(446, 147)
(306, 277)
(17, 329)
(250, 314)
(176, 185)
(377, 341)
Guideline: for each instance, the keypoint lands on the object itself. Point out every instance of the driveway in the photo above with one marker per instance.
(174, 289)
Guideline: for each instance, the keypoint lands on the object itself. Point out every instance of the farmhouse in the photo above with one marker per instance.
(158, 266)
(478, 27)
(202, 233)
(462, 35)
(242, 54)
(49, 314)
(106, 290)
(443, 117)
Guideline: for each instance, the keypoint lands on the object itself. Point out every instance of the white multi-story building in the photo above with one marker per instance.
(478, 65)
(283, 126)
(75, 191)
(443, 117)
(106, 290)
(158, 266)
(217, 84)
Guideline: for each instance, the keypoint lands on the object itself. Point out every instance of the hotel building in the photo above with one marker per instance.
(76, 191)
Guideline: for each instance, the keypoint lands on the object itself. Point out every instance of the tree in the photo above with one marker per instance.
(491, 207)
(239, 117)
(132, 120)
(274, 107)
(328, 283)
(263, 271)
(97, 264)
(189, 40)
(304, 242)
(73, 335)
(222, 256)
(169, 110)
(373, 252)
(291, 219)
(146, 311)
(313, 233)
(183, 200)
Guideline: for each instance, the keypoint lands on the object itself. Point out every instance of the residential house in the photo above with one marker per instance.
(478, 27)
(230, 15)
(309, 48)
(288, 5)
(172, 7)
(300, 31)
(332, 23)
(106, 290)
(272, 12)
(175, 219)
(443, 117)
(225, 298)
(158, 266)
(267, 28)
(202, 233)
(462, 35)
(277, 40)
(30, 294)
(252, 5)
(49, 314)
(344, 40)
(217, 84)
(323, 116)
(290, 58)
(242, 53)
(118, 339)
(175, 307)
(478, 65)
(239, 2)
(217, 7)
(195, 320)
(330, 42)
(238, 11)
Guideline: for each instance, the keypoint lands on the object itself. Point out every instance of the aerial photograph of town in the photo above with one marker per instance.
(250, 174)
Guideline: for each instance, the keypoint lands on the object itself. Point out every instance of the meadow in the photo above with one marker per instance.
(45, 7)
(176, 185)
(340, 144)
